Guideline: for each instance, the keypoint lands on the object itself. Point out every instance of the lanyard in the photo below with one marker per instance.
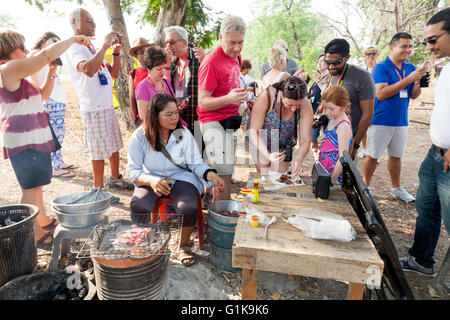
(341, 77)
(399, 74)
(180, 70)
(92, 50)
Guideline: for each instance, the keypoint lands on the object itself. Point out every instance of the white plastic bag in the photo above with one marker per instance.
(319, 224)
(263, 218)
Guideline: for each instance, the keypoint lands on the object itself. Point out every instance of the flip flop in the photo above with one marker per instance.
(41, 241)
(70, 166)
(186, 254)
(64, 174)
(51, 226)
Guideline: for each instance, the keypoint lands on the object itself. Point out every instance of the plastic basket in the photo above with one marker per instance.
(18, 252)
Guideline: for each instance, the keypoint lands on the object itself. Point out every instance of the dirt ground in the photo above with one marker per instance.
(398, 216)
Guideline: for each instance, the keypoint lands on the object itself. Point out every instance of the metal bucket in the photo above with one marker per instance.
(80, 220)
(145, 281)
(224, 205)
(221, 258)
(221, 236)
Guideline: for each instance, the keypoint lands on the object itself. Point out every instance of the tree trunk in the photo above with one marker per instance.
(117, 22)
(297, 46)
(170, 14)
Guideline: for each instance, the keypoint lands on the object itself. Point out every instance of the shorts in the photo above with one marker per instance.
(381, 137)
(101, 133)
(219, 147)
(32, 168)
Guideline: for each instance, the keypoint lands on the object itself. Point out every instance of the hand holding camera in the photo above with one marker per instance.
(287, 146)
(425, 80)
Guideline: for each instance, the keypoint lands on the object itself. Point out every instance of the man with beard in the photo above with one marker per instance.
(359, 84)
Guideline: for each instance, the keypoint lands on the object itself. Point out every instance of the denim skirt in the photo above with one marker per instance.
(32, 168)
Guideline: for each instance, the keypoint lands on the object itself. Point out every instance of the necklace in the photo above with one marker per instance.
(164, 89)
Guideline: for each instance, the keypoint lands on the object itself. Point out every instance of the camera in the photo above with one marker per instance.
(287, 146)
(254, 85)
(57, 62)
(424, 80)
(320, 120)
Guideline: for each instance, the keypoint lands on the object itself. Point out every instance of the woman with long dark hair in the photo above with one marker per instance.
(281, 118)
(55, 104)
(164, 160)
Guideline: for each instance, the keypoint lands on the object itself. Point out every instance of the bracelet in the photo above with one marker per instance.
(52, 77)
(116, 54)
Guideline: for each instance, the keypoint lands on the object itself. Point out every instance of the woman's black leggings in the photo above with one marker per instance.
(183, 194)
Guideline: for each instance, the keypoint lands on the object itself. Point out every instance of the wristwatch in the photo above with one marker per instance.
(356, 146)
(116, 54)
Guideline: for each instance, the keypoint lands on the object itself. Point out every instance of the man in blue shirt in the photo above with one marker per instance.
(396, 81)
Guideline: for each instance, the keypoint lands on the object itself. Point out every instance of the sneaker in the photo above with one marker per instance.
(410, 264)
(119, 183)
(402, 194)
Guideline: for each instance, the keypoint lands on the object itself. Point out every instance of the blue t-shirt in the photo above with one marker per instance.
(392, 111)
(315, 95)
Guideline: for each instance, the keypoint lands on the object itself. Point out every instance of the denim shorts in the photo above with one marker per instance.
(32, 168)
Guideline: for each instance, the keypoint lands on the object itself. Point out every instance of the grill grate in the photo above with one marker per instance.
(133, 238)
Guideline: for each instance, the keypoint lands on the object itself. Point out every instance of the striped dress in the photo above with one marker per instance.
(23, 121)
(329, 149)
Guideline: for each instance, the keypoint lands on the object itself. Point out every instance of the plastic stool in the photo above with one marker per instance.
(63, 237)
(161, 210)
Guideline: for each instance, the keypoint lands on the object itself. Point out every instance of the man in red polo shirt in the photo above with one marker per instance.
(219, 98)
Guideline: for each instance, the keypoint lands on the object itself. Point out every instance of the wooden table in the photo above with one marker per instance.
(288, 250)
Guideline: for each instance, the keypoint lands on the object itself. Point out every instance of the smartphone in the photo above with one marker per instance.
(57, 62)
(119, 38)
(186, 100)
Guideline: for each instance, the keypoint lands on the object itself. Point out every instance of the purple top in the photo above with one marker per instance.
(145, 90)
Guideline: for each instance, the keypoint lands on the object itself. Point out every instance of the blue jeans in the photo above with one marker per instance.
(432, 204)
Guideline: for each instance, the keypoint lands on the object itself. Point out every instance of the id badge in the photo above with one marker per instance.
(103, 79)
(403, 94)
(179, 93)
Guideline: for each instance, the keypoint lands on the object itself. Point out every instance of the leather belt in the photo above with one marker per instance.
(441, 151)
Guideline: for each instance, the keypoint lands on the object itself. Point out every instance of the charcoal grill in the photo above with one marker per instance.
(132, 271)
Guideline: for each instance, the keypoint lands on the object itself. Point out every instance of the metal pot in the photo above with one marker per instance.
(80, 220)
(224, 205)
(82, 202)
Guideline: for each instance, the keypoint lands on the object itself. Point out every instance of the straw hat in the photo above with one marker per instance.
(139, 43)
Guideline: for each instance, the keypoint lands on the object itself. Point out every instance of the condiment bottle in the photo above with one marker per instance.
(254, 220)
(255, 191)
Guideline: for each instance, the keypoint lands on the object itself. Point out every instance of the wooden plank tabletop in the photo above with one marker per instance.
(288, 250)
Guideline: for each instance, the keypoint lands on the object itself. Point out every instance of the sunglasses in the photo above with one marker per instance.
(433, 40)
(371, 53)
(335, 63)
(172, 42)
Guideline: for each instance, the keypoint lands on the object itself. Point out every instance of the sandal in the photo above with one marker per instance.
(51, 226)
(64, 174)
(187, 254)
(70, 166)
(43, 238)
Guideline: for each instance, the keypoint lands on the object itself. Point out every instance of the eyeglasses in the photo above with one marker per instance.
(335, 63)
(91, 22)
(433, 40)
(371, 53)
(172, 42)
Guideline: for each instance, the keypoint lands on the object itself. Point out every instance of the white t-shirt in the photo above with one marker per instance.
(58, 94)
(92, 96)
(440, 117)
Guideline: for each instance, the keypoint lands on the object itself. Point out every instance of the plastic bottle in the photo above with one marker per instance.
(254, 220)
(255, 191)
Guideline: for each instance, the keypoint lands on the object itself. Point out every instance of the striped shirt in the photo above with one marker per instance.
(23, 121)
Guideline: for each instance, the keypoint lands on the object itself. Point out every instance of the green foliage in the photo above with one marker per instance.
(7, 21)
(275, 19)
